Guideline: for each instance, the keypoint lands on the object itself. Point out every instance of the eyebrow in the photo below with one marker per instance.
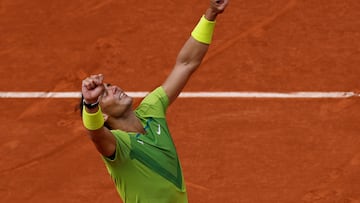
(105, 90)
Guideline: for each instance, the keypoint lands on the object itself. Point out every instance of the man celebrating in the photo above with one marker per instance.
(136, 145)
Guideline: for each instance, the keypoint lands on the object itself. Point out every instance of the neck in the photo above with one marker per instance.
(128, 123)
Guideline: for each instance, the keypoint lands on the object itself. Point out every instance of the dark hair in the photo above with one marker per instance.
(81, 105)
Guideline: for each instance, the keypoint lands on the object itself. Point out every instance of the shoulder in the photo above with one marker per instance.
(157, 94)
(154, 104)
(122, 149)
(122, 138)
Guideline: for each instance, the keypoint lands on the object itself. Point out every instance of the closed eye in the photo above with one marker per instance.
(105, 93)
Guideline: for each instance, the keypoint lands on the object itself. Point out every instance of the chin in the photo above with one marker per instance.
(129, 100)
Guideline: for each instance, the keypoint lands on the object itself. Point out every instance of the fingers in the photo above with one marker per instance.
(92, 87)
(219, 5)
(221, 1)
(93, 81)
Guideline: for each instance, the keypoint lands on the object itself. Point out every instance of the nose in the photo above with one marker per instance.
(112, 89)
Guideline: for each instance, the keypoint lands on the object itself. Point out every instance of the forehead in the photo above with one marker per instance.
(106, 89)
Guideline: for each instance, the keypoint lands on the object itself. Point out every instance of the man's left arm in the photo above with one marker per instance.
(193, 51)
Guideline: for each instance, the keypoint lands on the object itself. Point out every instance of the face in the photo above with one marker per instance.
(114, 101)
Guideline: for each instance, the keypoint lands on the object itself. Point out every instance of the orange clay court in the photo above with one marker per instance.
(247, 150)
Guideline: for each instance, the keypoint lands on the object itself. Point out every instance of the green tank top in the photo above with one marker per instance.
(146, 167)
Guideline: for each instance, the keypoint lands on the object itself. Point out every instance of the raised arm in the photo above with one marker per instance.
(92, 88)
(193, 51)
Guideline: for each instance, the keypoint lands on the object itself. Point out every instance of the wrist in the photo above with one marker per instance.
(203, 31)
(93, 120)
(91, 105)
(211, 14)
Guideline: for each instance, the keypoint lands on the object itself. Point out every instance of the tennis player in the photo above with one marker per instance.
(136, 145)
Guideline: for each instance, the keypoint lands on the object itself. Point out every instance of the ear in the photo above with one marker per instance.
(105, 117)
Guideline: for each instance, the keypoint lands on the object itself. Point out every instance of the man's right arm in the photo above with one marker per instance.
(103, 139)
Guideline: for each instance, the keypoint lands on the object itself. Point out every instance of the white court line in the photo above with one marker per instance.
(192, 94)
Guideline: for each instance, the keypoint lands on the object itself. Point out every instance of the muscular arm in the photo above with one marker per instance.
(187, 62)
(103, 139)
(190, 57)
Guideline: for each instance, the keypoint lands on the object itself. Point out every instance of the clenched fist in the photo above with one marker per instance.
(92, 88)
